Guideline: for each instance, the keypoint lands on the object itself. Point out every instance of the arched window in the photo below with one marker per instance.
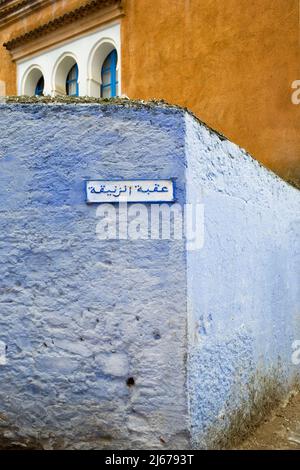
(72, 81)
(39, 89)
(32, 81)
(109, 76)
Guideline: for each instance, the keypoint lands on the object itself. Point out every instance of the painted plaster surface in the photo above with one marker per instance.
(243, 288)
(139, 344)
(231, 62)
(79, 316)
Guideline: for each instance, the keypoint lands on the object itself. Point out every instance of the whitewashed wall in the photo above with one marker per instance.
(89, 51)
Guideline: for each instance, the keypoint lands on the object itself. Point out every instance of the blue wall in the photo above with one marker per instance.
(243, 289)
(207, 335)
(79, 315)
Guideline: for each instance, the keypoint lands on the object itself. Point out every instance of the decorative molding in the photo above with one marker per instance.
(6, 5)
(65, 27)
(15, 10)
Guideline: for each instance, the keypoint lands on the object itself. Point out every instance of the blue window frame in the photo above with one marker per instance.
(109, 76)
(39, 89)
(72, 81)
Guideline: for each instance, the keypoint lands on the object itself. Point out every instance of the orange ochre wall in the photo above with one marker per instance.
(231, 62)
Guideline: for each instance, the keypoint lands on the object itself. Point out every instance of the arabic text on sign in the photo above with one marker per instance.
(130, 191)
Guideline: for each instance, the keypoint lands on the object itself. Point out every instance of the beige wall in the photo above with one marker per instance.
(231, 62)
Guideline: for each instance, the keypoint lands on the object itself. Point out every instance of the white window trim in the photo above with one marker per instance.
(88, 51)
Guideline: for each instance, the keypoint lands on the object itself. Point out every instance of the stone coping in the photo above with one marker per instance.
(126, 102)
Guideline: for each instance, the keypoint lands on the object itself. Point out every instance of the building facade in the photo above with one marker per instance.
(232, 63)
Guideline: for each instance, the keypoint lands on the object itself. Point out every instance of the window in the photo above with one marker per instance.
(55, 64)
(39, 89)
(109, 76)
(72, 81)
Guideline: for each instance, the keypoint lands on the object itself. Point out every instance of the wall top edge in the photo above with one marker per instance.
(119, 101)
(130, 103)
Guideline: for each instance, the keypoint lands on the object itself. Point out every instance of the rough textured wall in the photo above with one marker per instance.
(231, 62)
(243, 289)
(78, 315)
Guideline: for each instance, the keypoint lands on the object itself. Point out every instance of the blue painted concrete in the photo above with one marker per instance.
(80, 315)
(243, 287)
(205, 334)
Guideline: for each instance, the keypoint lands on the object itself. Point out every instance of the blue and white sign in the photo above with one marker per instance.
(99, 191)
